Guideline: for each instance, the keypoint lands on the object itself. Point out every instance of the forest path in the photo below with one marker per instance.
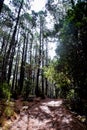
(47, 115)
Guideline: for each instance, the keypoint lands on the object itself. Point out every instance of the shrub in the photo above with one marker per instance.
(71, 94)
(8, 112)
(5, 91)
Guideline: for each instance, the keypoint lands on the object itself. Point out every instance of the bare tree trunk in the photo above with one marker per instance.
(3, 45)
(10, 63)
(15, 72)
(17, 66)
(23, 62)
(22, 69)
(39, 63)
(42, 65)
(31, 49)
(13, 81)
(1, 5)
(12, 57)
(46, 66)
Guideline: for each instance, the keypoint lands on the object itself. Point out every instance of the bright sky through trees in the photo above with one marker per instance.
(38, 5)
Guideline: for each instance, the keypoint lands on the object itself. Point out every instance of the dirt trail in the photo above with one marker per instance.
(47, 115)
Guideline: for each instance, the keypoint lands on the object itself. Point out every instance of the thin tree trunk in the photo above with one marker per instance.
(46, 66)
(24, 56)
(38, 70)
(15, 73)
(3, 45)
(10, 63)
(12, 57)
(13, 81)
(22, 68)
(1, 4)
(42, 64)
(31, 50)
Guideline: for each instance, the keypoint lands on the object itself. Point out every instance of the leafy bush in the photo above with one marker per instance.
(71, 94)
(8, 112)
(5, 91)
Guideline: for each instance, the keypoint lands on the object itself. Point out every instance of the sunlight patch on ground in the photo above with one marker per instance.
(53, 103)
(66, 120)
(36, 124)
(45, 109)
(36, 108)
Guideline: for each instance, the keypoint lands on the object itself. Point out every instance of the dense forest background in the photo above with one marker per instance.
(25, 65)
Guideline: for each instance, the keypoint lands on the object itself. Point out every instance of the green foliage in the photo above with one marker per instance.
(49, 72)
(60, 79)
(8, 23)
(5, 91)
(26, 16)
(72, 48)
(71, 94)
(6, 8)
(8, 112)
(16, 3)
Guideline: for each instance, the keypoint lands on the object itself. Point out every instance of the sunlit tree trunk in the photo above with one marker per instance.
(42, 63)
(22, 68)
(15, 71)
(13, 81)
(39, 64)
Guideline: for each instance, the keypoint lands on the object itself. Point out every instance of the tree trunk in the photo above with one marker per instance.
(42, 64)
(10, 63)
(39, 63)
(13, 81)
(23, 62)
(15, 72)
(1, 4)
(46, 66)
(22, 68)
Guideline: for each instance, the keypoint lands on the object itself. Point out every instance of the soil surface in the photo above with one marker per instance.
(46, 115)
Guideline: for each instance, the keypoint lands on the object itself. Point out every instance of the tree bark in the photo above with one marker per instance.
(39, 63)
(1, 4)
(23, 62)
(46, 66)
